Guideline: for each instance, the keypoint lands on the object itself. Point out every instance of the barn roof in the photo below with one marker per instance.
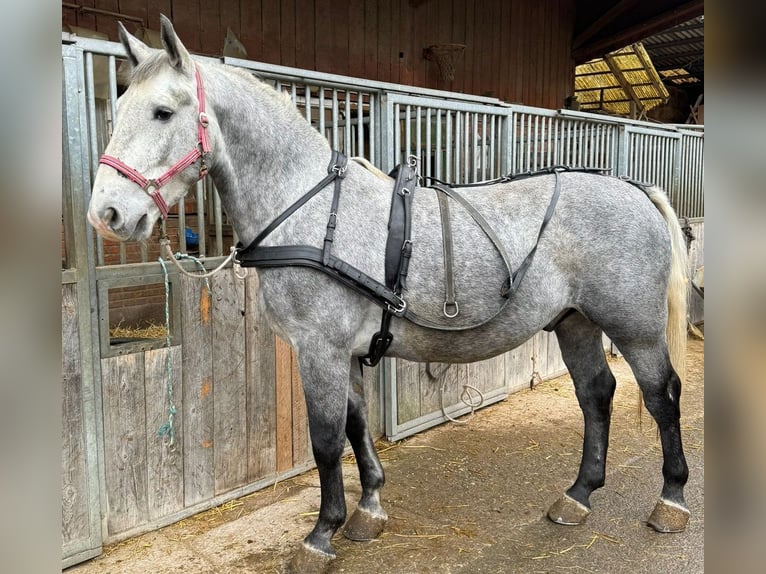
(611, 83)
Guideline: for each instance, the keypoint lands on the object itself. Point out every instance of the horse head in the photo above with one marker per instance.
(160, 142)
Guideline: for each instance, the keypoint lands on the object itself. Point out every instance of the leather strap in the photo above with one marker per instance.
(336, 169)
(451, 308)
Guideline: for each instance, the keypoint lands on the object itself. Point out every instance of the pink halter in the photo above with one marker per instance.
(152, 186)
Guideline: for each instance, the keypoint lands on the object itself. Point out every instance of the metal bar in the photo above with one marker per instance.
(201, 228)
(407, 132)
(374, 125)
(437, 149)
(334, 119)
(218, 220)
(397, 136)
(360, 124)
(321, 112)
(429, 146)
(448, 147)
(418, 137)
(347, 115)
(492, 147)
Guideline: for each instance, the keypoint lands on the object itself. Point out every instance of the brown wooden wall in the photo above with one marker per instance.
(516, 50)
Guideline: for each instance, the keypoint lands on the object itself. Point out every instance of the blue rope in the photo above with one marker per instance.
(168, 429)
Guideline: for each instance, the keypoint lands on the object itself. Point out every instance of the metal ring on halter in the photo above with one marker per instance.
(412, 160)
(457, 309)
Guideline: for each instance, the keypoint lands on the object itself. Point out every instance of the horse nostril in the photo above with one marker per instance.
(112, 218)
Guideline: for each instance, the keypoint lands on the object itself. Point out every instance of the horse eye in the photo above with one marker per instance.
(162, 114)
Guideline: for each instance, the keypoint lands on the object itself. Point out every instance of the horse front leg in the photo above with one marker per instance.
(369, 518)
(325, 379)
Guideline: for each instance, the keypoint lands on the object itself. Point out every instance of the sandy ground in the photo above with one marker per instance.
(467, 499)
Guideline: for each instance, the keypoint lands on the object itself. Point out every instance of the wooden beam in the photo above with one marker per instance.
(602, 22)
(674, 43)
(624, 83)
(640, 31)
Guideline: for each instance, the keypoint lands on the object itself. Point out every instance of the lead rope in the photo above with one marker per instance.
(465, 396)
(168, 429)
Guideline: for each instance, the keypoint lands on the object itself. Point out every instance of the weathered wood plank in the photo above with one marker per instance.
(197, 372)
(407, 390)
(301, 451)
(430, 389)
(229, 382)
(74, 464)
(124, 441)
(518, 366)
(165, 462)
(261, 387)
(284, 405)
(373, 397)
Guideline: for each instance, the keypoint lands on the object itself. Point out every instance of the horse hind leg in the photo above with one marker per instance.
(661, 388)
(581, 346)
(369, 518)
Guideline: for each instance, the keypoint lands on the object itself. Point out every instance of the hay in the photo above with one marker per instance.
(149, 331)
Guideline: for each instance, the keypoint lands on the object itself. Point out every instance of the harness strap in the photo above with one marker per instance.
(340, 162)
(486, 228)
(451, 308)
(336, 169)
(522, 270)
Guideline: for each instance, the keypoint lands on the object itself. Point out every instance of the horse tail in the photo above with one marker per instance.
(678, 283)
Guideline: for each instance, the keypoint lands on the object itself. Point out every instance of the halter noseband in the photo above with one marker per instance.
(152, 186)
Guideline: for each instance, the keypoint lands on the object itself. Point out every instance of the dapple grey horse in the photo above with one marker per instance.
(613, 254)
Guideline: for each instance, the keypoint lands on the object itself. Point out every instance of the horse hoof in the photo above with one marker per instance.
(669, 516)
(307, 560)
(364, 525)
(567, 511)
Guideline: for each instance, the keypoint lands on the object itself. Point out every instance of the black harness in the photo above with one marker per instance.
(398, 249)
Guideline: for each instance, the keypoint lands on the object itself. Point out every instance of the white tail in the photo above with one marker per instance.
(678, 284)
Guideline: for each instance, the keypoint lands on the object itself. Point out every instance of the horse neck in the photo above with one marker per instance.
(269, 156)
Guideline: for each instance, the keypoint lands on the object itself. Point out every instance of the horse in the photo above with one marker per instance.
(611, 260)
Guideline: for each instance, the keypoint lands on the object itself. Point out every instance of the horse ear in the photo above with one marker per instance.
(137, 51)
(179, 56)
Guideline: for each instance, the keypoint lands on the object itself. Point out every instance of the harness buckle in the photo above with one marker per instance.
(399, 309)
(339, 170)
(203, 119)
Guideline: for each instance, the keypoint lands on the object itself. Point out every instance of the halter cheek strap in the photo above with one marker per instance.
(200, 151)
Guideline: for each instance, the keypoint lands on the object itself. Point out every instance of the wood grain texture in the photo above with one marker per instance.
(284, 404)
(261, 388)
(301, 449)
(165, 462)
(124, 441)
(74, 464)
(229, 382)
(198, 414)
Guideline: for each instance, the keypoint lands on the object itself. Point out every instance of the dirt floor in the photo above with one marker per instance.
(467, 499)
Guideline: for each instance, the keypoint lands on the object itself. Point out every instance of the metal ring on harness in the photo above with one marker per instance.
(453, 304)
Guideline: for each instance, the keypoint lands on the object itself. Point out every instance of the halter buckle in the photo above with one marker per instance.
(203, 119)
